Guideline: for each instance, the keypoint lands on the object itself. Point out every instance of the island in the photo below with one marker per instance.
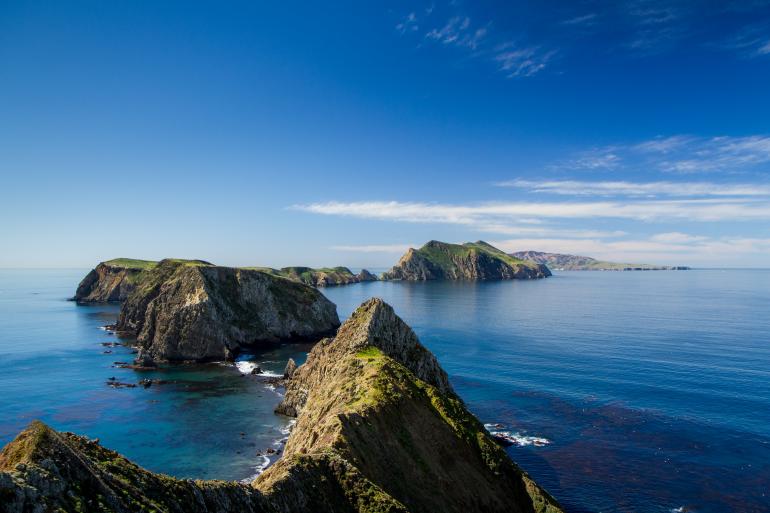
(114, 280)
(473, 261)
(378, 429)
(189, 310)
(564, 262)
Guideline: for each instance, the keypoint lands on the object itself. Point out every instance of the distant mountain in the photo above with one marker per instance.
(470, 261)
(559, 261)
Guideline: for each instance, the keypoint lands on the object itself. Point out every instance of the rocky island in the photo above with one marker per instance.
(195, 311)
(379, 429)
(470, 261)
(323, 277)
(564, 262)
(113, 280)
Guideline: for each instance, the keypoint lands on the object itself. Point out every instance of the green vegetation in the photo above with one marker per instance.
(132, 263)
(442, 253)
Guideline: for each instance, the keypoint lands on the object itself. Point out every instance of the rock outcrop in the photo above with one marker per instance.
(182, 311)
(378, 429)
(324, 277)
(470, 261)
(376, 404)
(564, 262)
(112, 280)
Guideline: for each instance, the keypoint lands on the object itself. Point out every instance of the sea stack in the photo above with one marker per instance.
(193, 311)
(472, 261)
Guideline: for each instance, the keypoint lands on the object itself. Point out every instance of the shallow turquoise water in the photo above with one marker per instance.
(652, 388)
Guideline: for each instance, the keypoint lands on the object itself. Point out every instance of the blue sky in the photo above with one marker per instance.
(313, 134)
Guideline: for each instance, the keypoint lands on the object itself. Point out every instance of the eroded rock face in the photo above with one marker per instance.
(323, 277)
(107, 282)
(374, 404)
(471, 261)
(203, 312)
(379, 429)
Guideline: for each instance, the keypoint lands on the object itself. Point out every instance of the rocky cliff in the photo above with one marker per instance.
(188, 310)
(323, 277)
(112, 280)
(379, 429)
(470, 261)
(566, 262)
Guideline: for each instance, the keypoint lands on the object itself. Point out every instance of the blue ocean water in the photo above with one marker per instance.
(644, 391)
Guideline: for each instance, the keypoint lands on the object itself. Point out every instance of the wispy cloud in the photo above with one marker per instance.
(678, 154)
(458, 31)
(666, 248)
(375, 248)
(487, 215)
(521, 62)
(585, 19)
(408, 24)
(638, 189)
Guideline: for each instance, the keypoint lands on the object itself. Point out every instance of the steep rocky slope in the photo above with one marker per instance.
(470, 261)
(112, 280)
(323, 277)
(374, 401)
(379, 429)
(582, 263)
(197, 311)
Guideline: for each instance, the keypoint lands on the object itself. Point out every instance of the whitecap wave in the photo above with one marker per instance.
(258, 468)
(514, 437)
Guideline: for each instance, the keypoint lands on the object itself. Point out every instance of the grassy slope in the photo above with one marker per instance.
(441, 253)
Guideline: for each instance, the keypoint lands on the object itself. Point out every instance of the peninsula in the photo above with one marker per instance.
(379, 429)
(470, 261)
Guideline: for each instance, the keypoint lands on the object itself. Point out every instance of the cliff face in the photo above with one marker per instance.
(324, 277)
(195, 311)
(582, 263)
(374, 402)
(113, 280)
(378, 429)
(469, 261)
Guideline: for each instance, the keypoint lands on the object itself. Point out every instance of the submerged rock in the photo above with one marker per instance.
(378, 429)
(183, 311)
(470, 261)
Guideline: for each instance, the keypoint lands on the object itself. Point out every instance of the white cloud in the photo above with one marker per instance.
(639, 189)
(408, 24)
(686, 250)
(586, 19)
(504, 213)
(376, 248)
(522, 62)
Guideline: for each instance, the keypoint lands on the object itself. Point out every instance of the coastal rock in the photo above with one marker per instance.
(374, 405)
(191, 311)
(112, 280)
(474, 261)
(380, 430)
(291, 366)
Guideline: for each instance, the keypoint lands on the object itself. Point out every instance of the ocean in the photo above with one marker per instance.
(624, 391)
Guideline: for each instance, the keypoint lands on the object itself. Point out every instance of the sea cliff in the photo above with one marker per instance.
(189, 310)
(473, 261)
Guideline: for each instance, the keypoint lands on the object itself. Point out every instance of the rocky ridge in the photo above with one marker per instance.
(379, 430)
(190, 310)
(323, 277)
(473, 261)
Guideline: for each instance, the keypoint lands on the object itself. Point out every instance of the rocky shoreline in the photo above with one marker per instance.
(378, 428)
